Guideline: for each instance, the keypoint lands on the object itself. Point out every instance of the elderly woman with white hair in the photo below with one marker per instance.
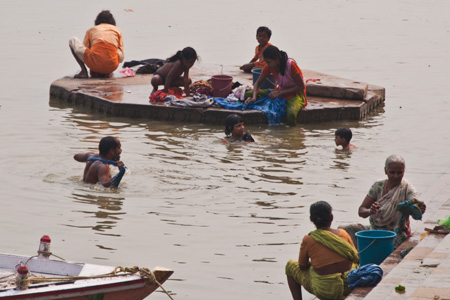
(390, 202)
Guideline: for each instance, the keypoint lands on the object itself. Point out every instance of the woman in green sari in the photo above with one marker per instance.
(326, 257)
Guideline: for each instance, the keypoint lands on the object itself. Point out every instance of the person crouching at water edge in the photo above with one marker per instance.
(102, 48)
(97, 165)
(289, 79)
(175, 72)
(235, 130)
(326, 257)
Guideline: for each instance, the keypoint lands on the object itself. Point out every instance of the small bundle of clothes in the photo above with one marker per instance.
(197, 100)
(202, 87)
(366, 275)
(160, 96)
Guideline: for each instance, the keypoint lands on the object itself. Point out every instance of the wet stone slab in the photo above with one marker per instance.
(329, 98)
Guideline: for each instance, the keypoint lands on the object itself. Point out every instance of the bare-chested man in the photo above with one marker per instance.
(97, 165)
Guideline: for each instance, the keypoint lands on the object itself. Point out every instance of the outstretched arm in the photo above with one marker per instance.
(82, 157)
(256, 86)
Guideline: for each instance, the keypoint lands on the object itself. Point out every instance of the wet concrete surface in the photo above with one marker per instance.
(329, 97)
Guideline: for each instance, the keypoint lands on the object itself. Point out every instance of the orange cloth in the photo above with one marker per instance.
(104, 51)
(258, 58)
(295, 69)
(319, 254)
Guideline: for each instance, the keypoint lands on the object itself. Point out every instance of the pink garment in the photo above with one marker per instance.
(286, 81)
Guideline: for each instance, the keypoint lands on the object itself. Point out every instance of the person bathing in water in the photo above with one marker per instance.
(175, 72)
(97, 165)
(235, 130)
(102, 48)
(342, 137)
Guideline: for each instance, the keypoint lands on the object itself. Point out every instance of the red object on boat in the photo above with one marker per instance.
(45, 239)
(22, 270)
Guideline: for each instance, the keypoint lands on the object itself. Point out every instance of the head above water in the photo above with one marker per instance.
(345, 133)
(264, 29)
(105, 16)
(230, 121)
(106, 144)
(393, 159)
(188, 53)
(275, 58)
(320, 213)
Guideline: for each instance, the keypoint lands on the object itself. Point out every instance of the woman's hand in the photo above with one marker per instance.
(249, 99)
(274, 94)
(374, 208)
(422, 207)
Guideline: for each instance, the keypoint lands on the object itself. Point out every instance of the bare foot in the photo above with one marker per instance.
(82, 74)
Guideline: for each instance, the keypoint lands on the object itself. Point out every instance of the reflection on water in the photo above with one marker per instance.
(107, 214)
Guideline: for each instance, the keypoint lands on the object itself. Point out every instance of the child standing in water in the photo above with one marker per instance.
(263, 35)
(289, 79)
(170, 74)
(235, 130)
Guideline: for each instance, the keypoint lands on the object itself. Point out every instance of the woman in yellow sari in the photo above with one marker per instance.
(326, 257)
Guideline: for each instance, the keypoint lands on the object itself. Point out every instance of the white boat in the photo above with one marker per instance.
(39, 278)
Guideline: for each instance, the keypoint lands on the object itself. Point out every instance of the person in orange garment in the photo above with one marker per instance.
(263, 35)
(102, 48)
(326, 257)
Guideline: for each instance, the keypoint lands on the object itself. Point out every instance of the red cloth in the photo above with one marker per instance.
(161, 96)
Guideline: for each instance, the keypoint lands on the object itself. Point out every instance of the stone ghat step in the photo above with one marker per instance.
(129, 97)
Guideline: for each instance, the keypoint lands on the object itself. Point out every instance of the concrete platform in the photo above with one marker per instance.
(425, 270)
(330, 98)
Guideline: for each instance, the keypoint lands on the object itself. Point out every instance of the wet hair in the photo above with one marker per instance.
(105, 16)
(107, 143)
(345, 133)
(264, 29)
(230, 121)
(273, 52)
(392, 159)
(320, 214)
(187, 53)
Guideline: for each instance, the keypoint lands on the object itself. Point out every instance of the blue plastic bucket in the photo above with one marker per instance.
(269, 83)
(374, 245)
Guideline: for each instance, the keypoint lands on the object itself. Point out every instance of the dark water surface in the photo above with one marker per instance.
(225, 218)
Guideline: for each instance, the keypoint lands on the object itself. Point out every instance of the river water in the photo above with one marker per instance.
(225, 218)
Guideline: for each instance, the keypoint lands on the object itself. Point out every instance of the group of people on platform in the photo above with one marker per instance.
(102, 50)
(327, 254)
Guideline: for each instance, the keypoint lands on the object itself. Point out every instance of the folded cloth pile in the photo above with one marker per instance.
(195, 101)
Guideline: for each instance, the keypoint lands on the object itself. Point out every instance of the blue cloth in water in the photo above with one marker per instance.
(116, 179)
(367, 275)
(273, 109)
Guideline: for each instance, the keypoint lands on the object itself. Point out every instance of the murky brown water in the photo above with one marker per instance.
(225, 218)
